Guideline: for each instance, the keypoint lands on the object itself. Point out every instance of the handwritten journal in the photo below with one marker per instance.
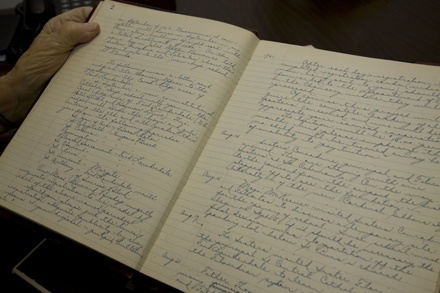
(199, 155)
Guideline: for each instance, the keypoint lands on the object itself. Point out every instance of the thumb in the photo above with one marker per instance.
(73, 33)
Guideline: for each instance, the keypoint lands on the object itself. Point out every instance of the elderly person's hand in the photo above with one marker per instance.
(50, 49)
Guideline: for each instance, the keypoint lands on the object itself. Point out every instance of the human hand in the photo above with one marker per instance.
(50, 49)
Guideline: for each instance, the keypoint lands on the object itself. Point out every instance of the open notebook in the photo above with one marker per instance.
(199, 155)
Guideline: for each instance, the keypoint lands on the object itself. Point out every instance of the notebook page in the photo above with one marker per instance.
(322, 175)
(109, 142)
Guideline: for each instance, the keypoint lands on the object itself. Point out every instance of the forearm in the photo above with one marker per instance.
(18, 91)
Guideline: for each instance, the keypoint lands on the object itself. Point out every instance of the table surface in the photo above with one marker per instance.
(403, 30)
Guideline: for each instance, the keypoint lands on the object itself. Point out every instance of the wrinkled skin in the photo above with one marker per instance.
(50, 49)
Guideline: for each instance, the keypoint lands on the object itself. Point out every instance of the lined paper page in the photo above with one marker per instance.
(323, 175)
(111, 139)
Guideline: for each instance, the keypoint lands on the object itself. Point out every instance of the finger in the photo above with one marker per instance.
(73, 33)
(79, 15)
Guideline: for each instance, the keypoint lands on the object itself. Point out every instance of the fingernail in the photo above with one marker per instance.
(91, 26)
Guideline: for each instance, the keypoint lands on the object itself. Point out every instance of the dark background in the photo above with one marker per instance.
(403, 30)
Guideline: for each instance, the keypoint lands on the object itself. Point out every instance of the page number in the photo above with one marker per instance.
(268, 56)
